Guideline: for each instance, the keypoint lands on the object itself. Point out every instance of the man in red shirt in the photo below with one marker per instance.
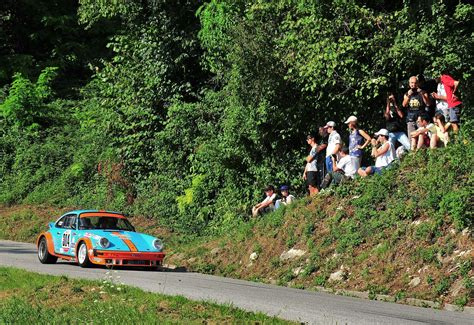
(454, 104)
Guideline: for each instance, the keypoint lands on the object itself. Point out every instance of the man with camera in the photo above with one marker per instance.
(394, 124)
(415, 101)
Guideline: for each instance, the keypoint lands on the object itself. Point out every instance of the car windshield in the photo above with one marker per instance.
(99, 222)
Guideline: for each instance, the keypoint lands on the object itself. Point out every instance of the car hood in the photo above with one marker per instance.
(123, 240)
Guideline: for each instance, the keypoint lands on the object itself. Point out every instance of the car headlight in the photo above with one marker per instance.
(104, 242)
(158, 244)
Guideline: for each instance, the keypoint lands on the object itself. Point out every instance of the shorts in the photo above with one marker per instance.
(454, 114)
(374, 170)
(312, 179)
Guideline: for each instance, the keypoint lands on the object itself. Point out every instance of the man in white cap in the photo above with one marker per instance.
(383, 155)
(334, 144)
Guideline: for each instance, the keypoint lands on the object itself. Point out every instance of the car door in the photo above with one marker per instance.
(65, 227)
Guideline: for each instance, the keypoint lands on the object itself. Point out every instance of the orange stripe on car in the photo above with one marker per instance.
(127, 241)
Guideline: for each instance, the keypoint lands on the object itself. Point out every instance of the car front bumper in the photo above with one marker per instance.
(120, 258)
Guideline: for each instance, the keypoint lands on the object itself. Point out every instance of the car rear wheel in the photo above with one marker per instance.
(82, 256)
(43, 254)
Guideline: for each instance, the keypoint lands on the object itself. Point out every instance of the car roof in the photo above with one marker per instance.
(98, 212)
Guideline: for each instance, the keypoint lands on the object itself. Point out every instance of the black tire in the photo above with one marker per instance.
(43, 255)
(82, 255)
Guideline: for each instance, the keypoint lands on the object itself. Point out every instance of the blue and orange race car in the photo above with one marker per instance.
(98, 237)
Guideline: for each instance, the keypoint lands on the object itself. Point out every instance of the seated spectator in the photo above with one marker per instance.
(267, 205)
(421, 137)
(431, 135)
(442, 128)
(286, 197)
(344, 169)
(394, 124)
(358, 140)
(384, 155)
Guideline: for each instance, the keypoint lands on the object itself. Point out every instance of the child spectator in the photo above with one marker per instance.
(356, 140)
(267, 205)
(393, 116)
(384, 154)
(310, 174)
(415, 100)
(344, 169)
(334, 144)
(286, 197)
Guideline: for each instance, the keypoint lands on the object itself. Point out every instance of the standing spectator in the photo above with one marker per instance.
(441, 103)
(334, 144)
(345, 168)
(415, 100)
(322, 145)
(384, 155)
(454, 103)
(286, 197)
(310, 174)
(429, 87)
(356, 140)
(267, 205)
(393, 117)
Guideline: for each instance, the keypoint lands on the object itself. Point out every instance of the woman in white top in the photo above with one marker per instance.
(384, 155)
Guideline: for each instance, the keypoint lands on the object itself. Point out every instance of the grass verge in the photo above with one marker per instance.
(28, 298)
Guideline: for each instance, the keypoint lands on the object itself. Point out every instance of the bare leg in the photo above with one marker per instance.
(420, 142)
(434, 141)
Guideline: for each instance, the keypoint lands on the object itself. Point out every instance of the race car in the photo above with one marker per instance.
(98, 237)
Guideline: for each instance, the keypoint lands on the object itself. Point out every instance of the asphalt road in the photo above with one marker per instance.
(293, 304)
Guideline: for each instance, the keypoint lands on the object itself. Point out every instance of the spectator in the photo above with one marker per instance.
(393, 116)
(420, 138)
(442, 127)
(334, 144)
(356, 140)
(267, 205)
(384, 154)
(429, 87)
(454, 103)
(431, 135)
(286, 197)
(310, 174)
(322, 145)
(344, 169)
(441, 103)
(415, 100)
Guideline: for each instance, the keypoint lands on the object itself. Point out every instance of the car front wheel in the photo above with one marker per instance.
(43, 254)
(82, 256)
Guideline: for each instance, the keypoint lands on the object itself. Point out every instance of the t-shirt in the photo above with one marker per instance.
(323, 140)
(387, 157)
(348, 165)
(287, 200)
(416, 105)
(448, 83)
(333, 140)
(441, 104)
(270, 198)
(312, 165)
(432, 129)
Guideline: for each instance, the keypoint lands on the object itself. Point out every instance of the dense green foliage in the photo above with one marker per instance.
(200, 105)
(36, 298)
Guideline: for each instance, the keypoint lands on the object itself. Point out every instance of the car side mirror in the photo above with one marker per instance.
(51, 225)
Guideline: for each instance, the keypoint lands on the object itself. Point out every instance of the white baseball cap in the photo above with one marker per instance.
(382, 132)
(330, 124)
(351, 118)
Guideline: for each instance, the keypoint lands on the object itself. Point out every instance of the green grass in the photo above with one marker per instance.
(28, 297)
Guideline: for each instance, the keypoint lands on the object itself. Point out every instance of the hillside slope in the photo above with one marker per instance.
(407, 233)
